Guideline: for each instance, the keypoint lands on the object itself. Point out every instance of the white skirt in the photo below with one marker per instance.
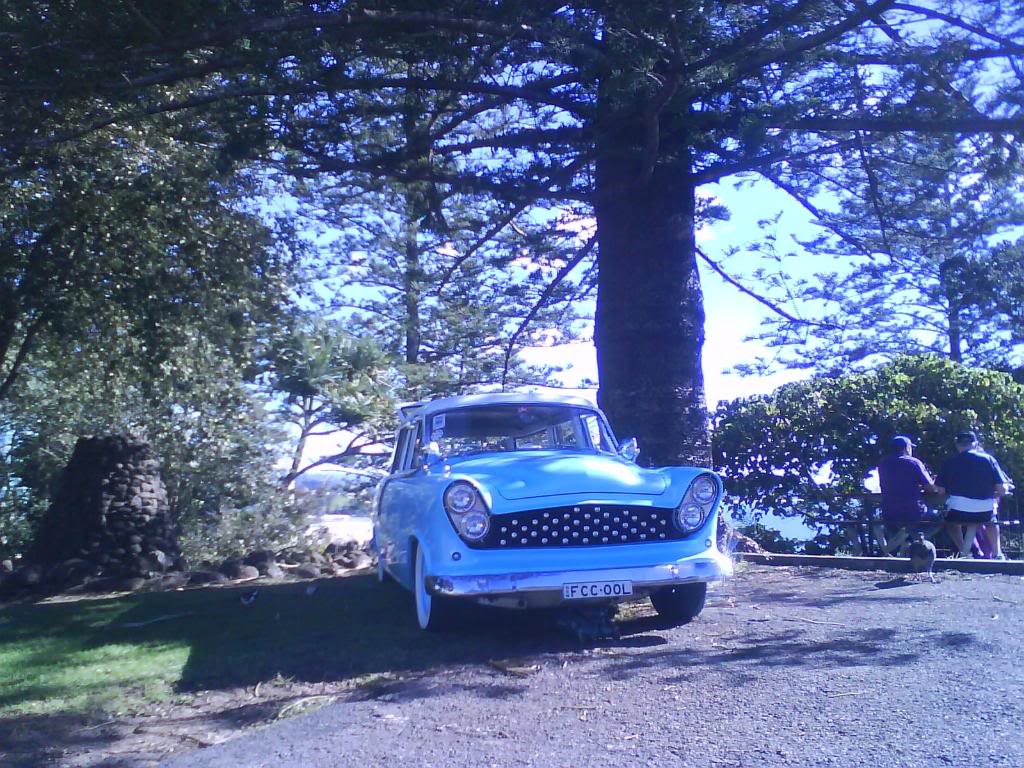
(964, 504)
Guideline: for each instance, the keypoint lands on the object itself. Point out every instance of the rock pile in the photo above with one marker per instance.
(110, 515)
(77, 575)
(109, 529)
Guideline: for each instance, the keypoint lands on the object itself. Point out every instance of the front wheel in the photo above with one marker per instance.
(680, 604)
(434, 613)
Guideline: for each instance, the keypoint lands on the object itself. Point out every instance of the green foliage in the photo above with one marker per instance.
(137, 286)
(455, 308)
(271, 518)
(132, 244)
(20, 508)
(806, 448)
(213, 434)
(920, 233)
(330, 383)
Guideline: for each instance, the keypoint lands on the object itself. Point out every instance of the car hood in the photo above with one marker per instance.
(530, 474)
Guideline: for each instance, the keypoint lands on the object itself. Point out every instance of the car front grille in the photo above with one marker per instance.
(583, 525)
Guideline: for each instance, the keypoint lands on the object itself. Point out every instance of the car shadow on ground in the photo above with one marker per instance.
(329, 630)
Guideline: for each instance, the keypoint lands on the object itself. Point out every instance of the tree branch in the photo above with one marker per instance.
(503, 222)
(908, 123)
(524, 138)
(800, 198)
(545, 295)
(335, 458)
(23, 350)
(803, 44)
(955, 21)
(719, 171)
(740, 44)
(756, 296)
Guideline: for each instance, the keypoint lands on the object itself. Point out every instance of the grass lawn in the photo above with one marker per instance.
(92, 677)
(111, 657)
(68, 657)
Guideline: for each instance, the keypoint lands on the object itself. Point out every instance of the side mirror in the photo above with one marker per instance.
(629, 449)
(430, 454)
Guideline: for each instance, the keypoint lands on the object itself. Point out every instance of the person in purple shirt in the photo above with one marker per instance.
(904, 481)
(973, 482)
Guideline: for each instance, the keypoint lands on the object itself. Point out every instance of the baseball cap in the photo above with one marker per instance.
(966, 437)
(901, 441)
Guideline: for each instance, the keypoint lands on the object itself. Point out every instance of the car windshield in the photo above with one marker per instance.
(488, 428)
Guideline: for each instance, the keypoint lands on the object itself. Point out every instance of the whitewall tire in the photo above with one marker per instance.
(433, 613)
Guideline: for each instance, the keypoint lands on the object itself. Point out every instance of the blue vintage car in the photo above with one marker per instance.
(526, 500)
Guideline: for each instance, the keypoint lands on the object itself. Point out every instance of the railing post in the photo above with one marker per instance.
(867, 516)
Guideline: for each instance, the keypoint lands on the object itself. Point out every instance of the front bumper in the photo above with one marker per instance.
(708, 566)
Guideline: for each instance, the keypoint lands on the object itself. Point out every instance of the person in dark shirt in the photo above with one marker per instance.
(904, 481)
(973, 482)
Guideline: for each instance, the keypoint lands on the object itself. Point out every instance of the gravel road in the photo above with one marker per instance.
(786, 666)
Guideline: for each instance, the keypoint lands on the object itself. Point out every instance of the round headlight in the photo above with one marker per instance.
(474, 525)
(691, 516)
(704, 489)
(460, 498)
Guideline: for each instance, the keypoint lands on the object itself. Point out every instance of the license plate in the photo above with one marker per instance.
(591, 589)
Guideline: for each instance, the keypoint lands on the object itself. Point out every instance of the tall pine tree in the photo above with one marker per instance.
(629, 108)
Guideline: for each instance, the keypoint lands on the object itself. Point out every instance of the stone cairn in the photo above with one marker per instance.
(109, 529)
(110, 516)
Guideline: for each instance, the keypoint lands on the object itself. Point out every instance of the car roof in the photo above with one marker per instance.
(428, 407)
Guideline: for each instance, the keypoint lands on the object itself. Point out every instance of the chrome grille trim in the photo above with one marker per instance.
(581, 525)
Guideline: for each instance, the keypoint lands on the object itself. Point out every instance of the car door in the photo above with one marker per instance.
(395, 510)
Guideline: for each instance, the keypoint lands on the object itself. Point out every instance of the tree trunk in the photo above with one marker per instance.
(955, 343)
(300, 447)
(649, 324)
(417, 143)
(412, 278)
(950, 275)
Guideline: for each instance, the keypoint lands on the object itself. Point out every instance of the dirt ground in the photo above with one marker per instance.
(786, 666)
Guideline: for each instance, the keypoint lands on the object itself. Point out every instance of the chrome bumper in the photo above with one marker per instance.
(708, 567)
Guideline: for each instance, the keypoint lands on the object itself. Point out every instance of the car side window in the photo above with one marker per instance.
(401, 443)
(596, 434)
(409, 441)
(415, 444)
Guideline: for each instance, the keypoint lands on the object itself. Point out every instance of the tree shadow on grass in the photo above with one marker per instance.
(347, 629)
(353, 634)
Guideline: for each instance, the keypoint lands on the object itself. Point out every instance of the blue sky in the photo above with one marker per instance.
(731, 315)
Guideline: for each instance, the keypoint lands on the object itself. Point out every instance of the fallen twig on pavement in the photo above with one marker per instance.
(510, 668)
(168, 617)
(304, 705)
(814, 621)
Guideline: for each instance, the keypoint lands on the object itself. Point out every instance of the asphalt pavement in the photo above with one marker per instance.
(785, 667)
